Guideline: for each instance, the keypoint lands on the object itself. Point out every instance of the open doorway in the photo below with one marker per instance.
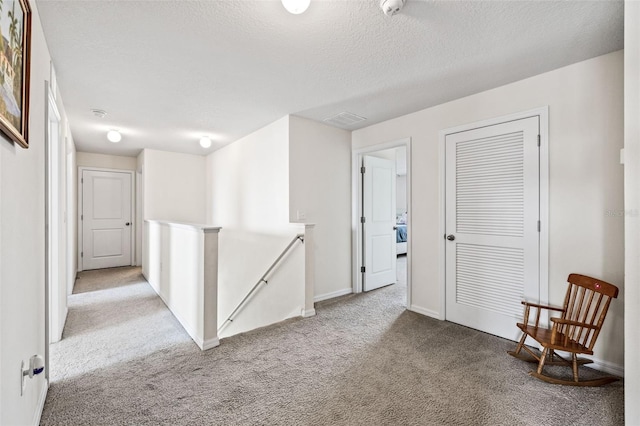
(381, 217)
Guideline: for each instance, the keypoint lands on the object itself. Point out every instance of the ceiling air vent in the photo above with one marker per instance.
(344, 119)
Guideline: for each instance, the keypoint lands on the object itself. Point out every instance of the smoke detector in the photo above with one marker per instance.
(391, 7)
(100, 113)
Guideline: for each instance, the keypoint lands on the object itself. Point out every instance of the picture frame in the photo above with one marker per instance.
(15, 61)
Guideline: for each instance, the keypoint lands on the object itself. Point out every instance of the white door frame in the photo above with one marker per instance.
(52, 239)
(356, 210)
(543, 114)
(132, 240)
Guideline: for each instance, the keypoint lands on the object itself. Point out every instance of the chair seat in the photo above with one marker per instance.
(543, 336)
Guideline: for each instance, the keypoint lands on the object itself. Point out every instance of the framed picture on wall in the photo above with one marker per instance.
(15, 44)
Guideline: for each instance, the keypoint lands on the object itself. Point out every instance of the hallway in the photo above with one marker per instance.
(364, 359)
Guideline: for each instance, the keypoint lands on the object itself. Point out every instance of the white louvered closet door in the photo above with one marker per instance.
(492, 213)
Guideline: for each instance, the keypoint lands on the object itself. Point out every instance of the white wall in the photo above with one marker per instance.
(632, 207)
(105, 161)
(72, 211)
(401, 193)
(586, 179)
(248, 181)
(173, 186)
(248, 196)
(22, 273)
(320, 186)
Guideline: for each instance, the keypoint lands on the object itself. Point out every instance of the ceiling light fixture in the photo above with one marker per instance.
(391, 7)
(296, 6)
(205, 142)
(114, 136)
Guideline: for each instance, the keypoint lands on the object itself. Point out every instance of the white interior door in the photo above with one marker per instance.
(379, 209)
(492, 214)
(106, 219)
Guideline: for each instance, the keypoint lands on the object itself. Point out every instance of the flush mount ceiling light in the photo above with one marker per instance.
(205, 142)
(114, 136)
(391, 7)
(296, 6)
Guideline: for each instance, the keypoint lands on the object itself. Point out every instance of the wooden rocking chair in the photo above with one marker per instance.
(575, 331)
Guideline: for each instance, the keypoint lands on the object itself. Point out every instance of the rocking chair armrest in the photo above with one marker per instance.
(536, 305)
(571, 322)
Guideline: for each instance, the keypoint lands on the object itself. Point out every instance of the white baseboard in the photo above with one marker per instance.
(607, 367)
(326, 296)
(598, 364)
(307, 313)
(424, 311)
(208, 344)
(40, 407)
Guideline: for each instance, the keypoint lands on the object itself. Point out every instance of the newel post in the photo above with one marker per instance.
(309, 270)
(210, 289)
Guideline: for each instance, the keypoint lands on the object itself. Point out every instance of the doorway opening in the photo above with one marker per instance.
(106, 229)
(381, 206)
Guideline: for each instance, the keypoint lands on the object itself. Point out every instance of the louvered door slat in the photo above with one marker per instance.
(488, 165)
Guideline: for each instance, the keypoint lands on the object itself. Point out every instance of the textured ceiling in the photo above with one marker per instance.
(168, 72)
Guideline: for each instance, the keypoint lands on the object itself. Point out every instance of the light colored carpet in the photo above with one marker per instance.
(363, 360)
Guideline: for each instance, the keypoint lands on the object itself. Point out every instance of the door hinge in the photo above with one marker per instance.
(81, 217)
(81, 180)
(538, 140)
(539, 225)
(362, 169)
(81, 254)
(362, 269)
(363, 219)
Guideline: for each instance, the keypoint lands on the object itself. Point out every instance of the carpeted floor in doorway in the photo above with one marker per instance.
(363, 360)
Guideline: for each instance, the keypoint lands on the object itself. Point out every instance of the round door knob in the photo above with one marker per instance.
(127, 224)
(451, 237)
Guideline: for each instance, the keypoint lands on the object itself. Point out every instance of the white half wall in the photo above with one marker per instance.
(320, 190)
(173, 186)
(632, 209)
(586, 179)
(248, 196)
(181, 265)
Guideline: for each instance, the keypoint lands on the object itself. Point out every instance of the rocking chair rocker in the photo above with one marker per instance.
(575, 331)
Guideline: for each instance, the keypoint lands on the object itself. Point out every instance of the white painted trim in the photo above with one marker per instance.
(185, 225)
(607, 367)
(356, 213)
(424, 311)
(209, 344)
(37, 415)
(599, 364)
(543, 114)
(81, 169)
(64, 323)
(327, 296)
(50, 107)
(306, 313)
